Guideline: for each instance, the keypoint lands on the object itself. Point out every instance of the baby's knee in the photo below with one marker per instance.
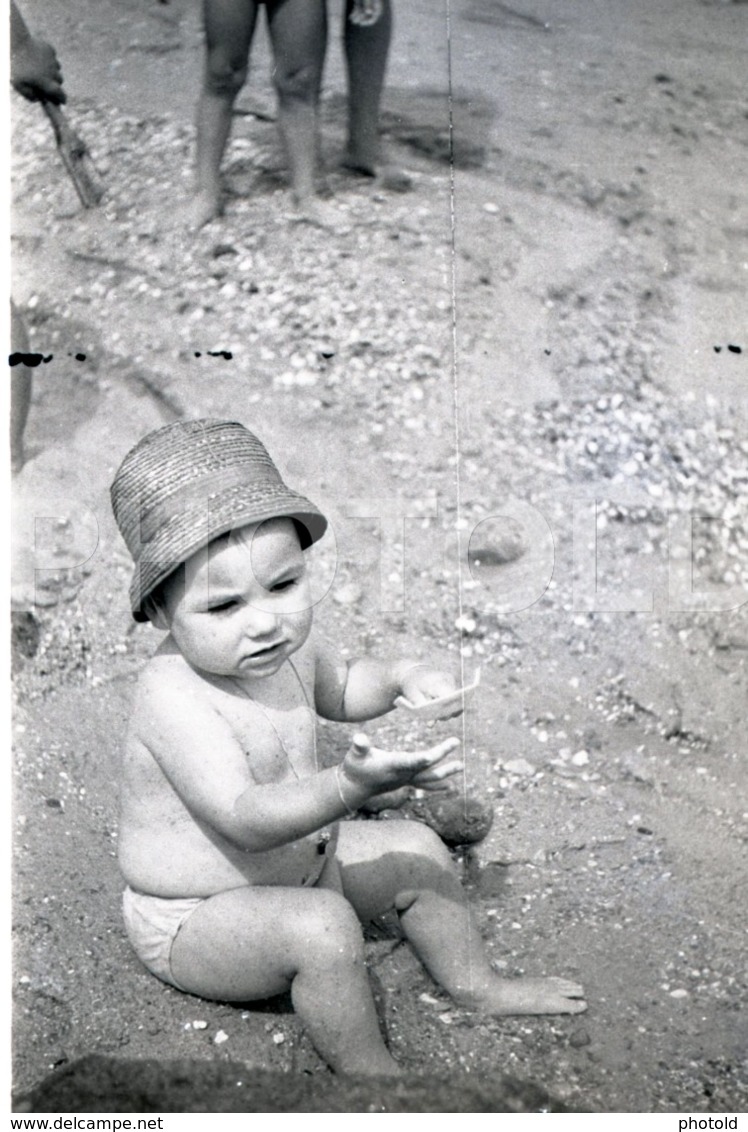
(421, 863)
(417, 840)
(332, 929)
(223, 75)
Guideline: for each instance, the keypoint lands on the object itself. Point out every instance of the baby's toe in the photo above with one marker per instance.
(567, 988)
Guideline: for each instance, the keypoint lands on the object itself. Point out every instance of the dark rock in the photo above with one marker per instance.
(732, 638)
(459, 820)
(495, 542)
(25, 635)
(220, 250)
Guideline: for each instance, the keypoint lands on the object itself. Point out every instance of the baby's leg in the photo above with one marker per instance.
(403, 864)
(251, 943)
(298, 31)
(229, 27)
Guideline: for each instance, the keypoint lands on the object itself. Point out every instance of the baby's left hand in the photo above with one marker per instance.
(421, 684)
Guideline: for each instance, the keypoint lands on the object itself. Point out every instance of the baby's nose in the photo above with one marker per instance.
(260, 622)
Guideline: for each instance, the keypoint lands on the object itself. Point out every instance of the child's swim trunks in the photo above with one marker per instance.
(152, 924)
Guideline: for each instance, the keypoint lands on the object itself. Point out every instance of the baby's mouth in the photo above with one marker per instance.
(268, 651)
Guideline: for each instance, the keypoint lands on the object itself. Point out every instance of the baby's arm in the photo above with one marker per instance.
(350, 691)
(198, 753)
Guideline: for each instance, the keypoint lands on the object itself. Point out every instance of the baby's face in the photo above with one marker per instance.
(245, 606)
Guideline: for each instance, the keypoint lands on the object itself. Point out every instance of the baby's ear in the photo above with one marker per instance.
(156, 613)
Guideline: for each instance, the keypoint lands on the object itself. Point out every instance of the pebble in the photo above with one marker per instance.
(348, 594)
(429, 999)
(519, 766)
(221, 1037)
(635, 765)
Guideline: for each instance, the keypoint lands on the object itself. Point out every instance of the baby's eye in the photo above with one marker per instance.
(286, 584)
(223, 606)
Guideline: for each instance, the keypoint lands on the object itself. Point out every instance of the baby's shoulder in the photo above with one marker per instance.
(167, 667)
(167, 684)
(173, 708)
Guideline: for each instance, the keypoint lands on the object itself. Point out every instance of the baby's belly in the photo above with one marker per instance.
(161, 866)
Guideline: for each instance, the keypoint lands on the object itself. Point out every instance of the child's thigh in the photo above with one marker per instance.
(382, 863)
(249, 943)
(298, 31)
(229, 26)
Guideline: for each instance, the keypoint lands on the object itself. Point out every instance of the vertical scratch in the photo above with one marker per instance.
(456, 414)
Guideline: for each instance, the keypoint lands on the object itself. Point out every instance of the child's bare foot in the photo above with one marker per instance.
(394, 179)
(389, 177)
(200, 210)
(320, 214)
(551, 995)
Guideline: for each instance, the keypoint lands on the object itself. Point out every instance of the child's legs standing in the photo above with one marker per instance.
(229, 27)
(298, 31)
(251, 943)
(366, 49)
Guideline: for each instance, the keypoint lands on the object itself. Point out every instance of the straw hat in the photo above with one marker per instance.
(184, 485)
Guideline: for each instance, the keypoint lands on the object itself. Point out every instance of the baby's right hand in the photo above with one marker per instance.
(379, 771)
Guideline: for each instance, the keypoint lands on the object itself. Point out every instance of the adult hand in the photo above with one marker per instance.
(35, 71)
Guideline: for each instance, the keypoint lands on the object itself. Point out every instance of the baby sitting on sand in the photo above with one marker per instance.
(242, 881)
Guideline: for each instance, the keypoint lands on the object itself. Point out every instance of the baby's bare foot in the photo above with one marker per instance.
(551, 995)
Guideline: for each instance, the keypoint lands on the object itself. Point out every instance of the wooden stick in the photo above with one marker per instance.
(75, 157)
